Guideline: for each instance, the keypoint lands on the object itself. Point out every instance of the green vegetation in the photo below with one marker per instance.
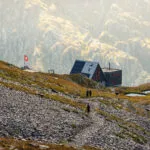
(35, 83)
(66, 109)
(73, 125)
(115, 104)
(122, 123)
(67, 86)
(39, 80)
(18, 87)
(137, 89)
(13, 144)
(81, 80)
(130, 129)
(90, 148)
(135, 137)
(108, 116)
(66, 101)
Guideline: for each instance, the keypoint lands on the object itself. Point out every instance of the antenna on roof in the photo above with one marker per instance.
(109, 65)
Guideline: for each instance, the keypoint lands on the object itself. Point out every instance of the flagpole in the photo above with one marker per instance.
(24, 62)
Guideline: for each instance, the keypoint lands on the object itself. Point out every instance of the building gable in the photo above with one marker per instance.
(89, 68)
(99, 75)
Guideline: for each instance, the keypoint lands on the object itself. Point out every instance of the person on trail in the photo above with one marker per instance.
(90, 93)
(88, 108)
(87, 93)
(117, 93)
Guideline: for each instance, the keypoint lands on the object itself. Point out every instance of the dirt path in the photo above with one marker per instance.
(97, 123)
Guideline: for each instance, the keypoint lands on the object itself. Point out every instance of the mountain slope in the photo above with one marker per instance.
(52, 109)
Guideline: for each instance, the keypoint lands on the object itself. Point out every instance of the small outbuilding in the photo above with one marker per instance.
(113, 77)
(92, 70)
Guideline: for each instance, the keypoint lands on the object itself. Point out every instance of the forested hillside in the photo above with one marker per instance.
(55, 33)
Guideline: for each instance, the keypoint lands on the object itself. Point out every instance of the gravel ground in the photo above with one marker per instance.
(32, 117)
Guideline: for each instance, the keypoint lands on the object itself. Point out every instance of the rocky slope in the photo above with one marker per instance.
(52, 108)
(55, 33)
(32, 117)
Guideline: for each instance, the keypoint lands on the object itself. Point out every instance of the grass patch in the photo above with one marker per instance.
(66, 101)
(53, 97)
(90, 148)
(112, 103)
(135, 137)
(130, 128)
(13, 144)
(18, 87)
(73, 125)
(67, 109)
(67, 84)
(108, 116)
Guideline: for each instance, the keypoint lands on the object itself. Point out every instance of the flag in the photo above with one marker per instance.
(25, 58)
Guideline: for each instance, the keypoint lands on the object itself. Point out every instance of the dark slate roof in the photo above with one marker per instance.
(77, 67)
(85, 67)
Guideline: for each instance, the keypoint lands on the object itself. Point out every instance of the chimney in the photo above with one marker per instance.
(109, 65)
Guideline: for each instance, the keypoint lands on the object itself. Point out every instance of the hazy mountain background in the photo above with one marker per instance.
(53, 33)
